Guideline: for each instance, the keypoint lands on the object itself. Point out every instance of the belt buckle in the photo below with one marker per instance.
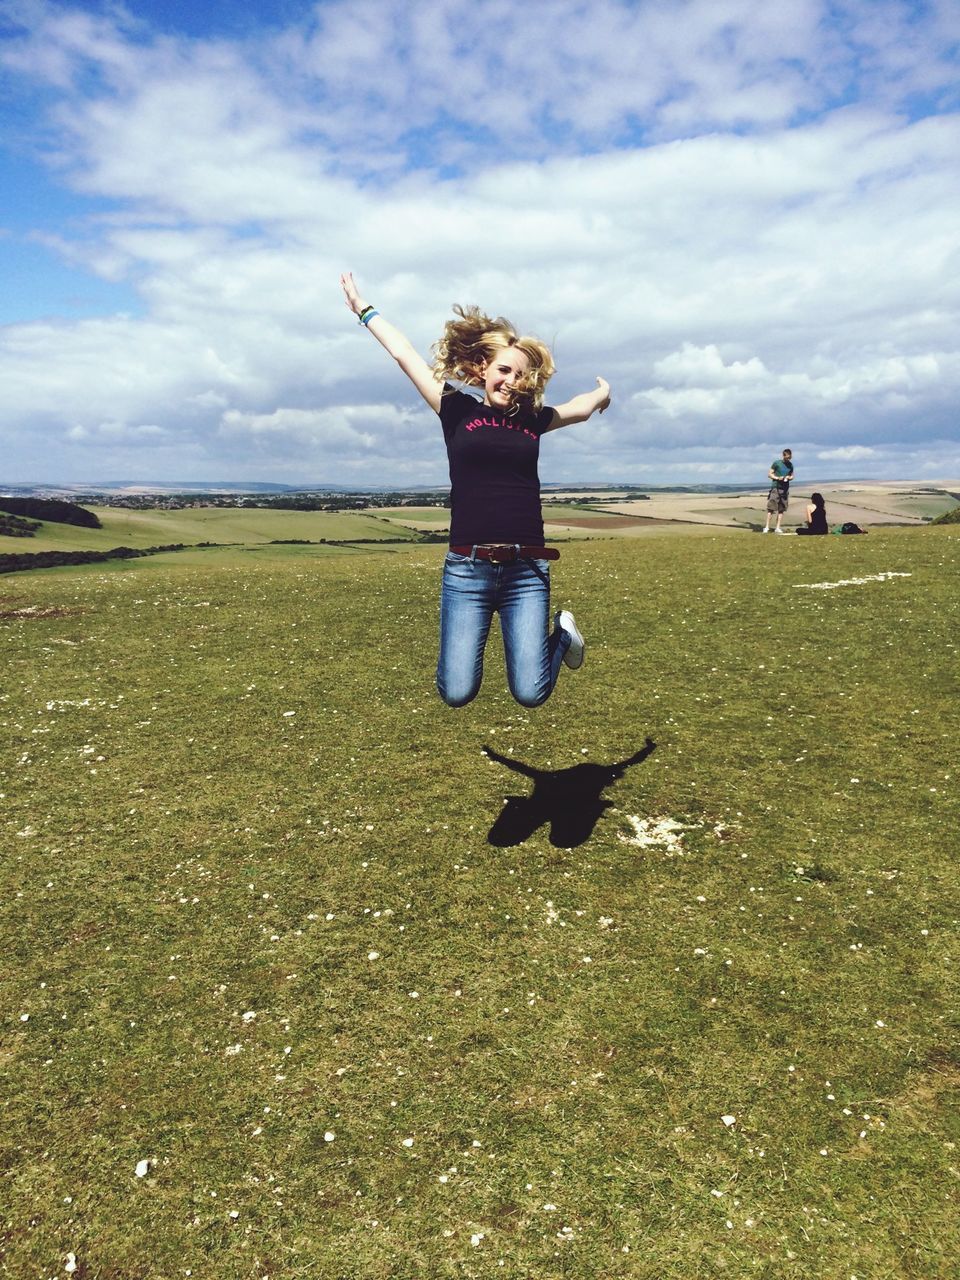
(502, 555)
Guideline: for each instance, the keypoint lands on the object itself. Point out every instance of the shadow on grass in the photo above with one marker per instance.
(570, 801)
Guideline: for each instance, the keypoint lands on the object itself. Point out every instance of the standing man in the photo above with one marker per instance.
(780, 475)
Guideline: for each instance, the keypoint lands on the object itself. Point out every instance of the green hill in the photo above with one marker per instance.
(53, 509)
(229, 525)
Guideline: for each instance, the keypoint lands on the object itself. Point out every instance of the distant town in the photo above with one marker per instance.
(178, 498)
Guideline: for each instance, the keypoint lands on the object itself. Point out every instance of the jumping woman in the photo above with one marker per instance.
(497, 562)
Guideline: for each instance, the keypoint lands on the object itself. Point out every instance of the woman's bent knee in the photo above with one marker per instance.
(457, 697)
(531, 697)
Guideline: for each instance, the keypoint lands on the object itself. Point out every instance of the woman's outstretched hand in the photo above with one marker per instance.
(394, 343)
(350, 294)
(581, 407)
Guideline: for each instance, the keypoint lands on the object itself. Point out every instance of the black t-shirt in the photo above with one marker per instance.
(494, 484)
(818, 521)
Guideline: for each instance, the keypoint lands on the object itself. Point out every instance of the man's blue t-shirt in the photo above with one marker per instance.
(783, 471)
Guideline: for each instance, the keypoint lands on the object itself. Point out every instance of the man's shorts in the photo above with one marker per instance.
(777, 501)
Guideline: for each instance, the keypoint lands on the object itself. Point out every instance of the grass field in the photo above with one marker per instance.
(666, 511)
(417, 517)
(229, 525)
(870, 503)
(298, 982)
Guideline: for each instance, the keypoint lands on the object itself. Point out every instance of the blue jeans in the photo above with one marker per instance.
(473, 591)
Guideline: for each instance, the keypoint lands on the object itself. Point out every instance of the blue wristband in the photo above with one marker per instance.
(368, 316)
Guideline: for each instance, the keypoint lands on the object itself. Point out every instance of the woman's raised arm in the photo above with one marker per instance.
(580, 408)
(395, 344)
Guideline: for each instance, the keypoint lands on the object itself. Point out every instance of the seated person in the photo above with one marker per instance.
(816, 516)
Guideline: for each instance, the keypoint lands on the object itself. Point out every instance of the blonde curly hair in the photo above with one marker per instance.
(471, 341)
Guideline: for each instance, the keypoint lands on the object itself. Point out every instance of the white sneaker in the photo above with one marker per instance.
(779, 531)
(764, 530)
(574, 654)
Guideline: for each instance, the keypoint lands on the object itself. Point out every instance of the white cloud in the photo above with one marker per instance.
(636, 188)
(705, 366)
(853, 453)
(113, 433)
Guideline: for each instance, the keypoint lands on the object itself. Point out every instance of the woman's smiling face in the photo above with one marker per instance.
(500, 376)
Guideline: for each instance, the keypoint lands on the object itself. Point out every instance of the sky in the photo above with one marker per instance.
(744, 216)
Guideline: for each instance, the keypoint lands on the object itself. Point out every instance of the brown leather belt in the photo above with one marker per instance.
(507, 554)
